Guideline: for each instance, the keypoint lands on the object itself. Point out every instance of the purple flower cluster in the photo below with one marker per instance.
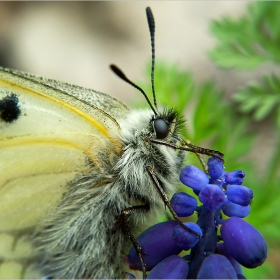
(209, 255)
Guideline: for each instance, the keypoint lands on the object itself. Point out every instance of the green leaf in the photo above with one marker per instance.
(265, 108)
(261, 98)
(250, 40)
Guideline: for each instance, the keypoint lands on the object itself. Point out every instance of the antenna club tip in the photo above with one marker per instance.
(149, 13)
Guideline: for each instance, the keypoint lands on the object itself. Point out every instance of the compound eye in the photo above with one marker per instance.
(161, 128)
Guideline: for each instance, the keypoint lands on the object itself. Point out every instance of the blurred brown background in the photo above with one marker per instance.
(76, 41)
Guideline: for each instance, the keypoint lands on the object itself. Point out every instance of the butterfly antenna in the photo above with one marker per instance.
(121, 75)
(151, 23)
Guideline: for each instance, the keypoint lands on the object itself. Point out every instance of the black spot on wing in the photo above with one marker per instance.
(9, 108)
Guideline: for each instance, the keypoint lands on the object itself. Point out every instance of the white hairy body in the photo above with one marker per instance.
(83, 238)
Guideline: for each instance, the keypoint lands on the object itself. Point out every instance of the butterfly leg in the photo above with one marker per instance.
(167, 203)
(124, 215)
(200, 158)
(187, 146)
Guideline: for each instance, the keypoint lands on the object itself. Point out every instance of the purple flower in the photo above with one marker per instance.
(219, 181)
(185, 239)
(222, 250)
(216, 267)
(244, 242)
(234, 177)
(156, 243)
(212, 197)
(239, 194)
(216, 167)
(193, 177)
(183, 204)
(172, 267)
(235, 210)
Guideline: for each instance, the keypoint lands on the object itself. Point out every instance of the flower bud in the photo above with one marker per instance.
(218, 182)
(216, 167)
(156, 243)
(216, 267)
(193, 177)
(185, 239)
(183, 204)
(234, 177)
(244, 242)
(234, 210)
(212, 197)
(172, 267)
(222, 250)
(239, 194)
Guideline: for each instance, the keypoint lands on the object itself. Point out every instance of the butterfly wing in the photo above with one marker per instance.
(55, 136)
(106, 103)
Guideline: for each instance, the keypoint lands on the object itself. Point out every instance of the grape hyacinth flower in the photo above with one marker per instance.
(155, 252)
(208, 255)
(172, 267)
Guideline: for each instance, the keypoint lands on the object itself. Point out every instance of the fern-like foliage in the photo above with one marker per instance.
(263, 98)
(250, 40)
(245, 43)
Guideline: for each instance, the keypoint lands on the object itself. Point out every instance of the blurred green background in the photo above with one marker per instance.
(217, 61)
